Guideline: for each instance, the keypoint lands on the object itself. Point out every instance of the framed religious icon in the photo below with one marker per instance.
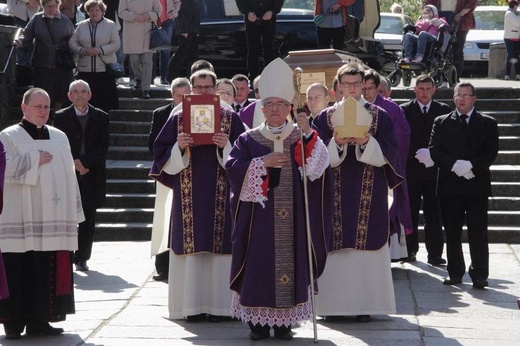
(201, 117)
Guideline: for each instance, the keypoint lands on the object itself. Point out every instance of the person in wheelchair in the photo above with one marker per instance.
(426, 31)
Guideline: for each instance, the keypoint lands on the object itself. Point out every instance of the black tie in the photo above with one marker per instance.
(424, 110)
(237, 108)
(463, 118)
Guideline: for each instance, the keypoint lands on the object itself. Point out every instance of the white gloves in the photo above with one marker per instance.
(469, 175)
(423, 156)
(462, 167)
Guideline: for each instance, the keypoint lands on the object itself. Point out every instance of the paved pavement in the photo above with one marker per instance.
(118, 303)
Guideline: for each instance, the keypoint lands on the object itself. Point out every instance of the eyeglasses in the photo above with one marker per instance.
(460, 96)
(354, 84)
(224, 92)
(278, 104)
(203, 87)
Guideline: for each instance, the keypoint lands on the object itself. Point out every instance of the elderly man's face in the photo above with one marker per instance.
(79, 96)
(37, 110)
(276, 111)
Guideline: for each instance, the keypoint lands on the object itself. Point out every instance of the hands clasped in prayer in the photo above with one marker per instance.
(351, 140)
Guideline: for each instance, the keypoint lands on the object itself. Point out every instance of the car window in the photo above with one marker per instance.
(390, 25)
(489, 20)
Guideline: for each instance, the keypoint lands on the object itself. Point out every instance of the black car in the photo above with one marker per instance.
(222, 39)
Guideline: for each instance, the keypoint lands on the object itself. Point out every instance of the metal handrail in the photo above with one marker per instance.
(10, 53)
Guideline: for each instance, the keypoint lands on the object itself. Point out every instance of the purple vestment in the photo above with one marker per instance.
(4, 291)
(247, 114)
(200, 219)
(270, 264)
(361, 190)
(400, 213)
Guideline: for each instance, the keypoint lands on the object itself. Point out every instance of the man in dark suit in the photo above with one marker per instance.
(241, 83)
(422, 173)
(86, 128)
(464, 144)
(179, 87)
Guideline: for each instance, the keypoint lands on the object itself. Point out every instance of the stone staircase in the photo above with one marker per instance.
(130, 197)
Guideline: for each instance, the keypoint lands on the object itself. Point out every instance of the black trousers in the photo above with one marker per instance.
(86, 236)
(424, 190)
(472, 210)
(260, 36)
(185, 55)
(162, 262)
(458, 51)
(326, 36)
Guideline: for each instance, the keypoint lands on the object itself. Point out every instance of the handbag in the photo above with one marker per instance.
(159, 40)
(319, 18)
(64, 58)
(114, 69)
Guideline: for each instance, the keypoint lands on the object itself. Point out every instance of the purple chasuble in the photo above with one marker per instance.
(270, 264)
(200, 219)
(247, 114)
(400, 213)
(360, 190)
(4, 291)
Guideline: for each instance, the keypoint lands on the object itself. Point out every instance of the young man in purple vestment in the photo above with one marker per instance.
(400, 216)
(200, 226)
(358, 279)
(270, 274)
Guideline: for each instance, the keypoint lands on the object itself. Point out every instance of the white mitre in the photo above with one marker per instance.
(277, 81)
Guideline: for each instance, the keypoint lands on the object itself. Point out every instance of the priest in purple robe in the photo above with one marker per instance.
(358, 279)
(400, 214)
(200, 226)
(270, 275)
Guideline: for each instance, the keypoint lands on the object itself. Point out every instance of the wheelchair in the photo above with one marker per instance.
(437, 61)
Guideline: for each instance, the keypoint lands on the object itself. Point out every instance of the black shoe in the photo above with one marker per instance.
(480, 284)
(12, 336)
(283, 333)
(42, 328)
(81, 266)
(437, 261)
(452, 280)
(215, 318)
(259, 332)
(261, 336)
(161, 276)
(196, 318)
(363, 318)
(411, 258)
(137, 84)
(14, 328)
(164, 82)
(146, 94)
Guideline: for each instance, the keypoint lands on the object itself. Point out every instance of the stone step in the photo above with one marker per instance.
(509, 142)
(132, 231)
(128, 153)
(137, 103)
(511, 129)
(505, 189)
(496, 234)
(155, 91)
(128, 172)
(125, 200)
(504, 203)
(120, 215)
(505, 116)
(130, 186)
(129, 139)
(505, 173)
(125, 127)
(508, 157)
(126, 115)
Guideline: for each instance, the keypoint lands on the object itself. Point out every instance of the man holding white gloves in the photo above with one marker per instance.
(464, 144)
(421, 172)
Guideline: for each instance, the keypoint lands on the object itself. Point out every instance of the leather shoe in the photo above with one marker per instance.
(161, 276)
(436, 261)
(146, 94)
(13, 336)
(42, 328)
(137, 85)
(283, 333)
(196, 318)
(363, 318)
(411, 258)
(480, 284)
(452, 280)
(81, 266)
(258, 336)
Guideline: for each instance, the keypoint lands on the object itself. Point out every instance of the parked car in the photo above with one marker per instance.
(489, 22)
(390, 31)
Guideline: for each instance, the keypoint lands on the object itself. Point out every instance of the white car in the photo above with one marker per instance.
(390, 31)
(489, 22)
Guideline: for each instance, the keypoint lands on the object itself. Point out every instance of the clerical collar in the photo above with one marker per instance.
(80, 113)
(276, 129)
(34, 131)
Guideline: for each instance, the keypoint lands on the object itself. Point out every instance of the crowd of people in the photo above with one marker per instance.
(284, 200)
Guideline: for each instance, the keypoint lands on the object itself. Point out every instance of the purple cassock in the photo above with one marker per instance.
(270, 266)
(361, 190)
(4, 291)
(200, 219)
(247, 114)
(400, 213)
